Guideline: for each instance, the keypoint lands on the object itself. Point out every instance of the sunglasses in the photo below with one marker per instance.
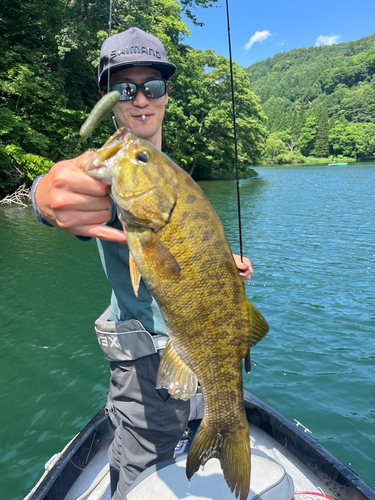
(152, 89)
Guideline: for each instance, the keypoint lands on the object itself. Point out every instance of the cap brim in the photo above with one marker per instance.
(166, 69)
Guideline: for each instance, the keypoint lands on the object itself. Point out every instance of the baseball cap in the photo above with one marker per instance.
(133, 47)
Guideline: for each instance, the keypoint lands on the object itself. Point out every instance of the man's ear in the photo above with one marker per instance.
(102, 93)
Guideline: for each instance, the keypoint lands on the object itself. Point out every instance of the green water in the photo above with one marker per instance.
(309, 233)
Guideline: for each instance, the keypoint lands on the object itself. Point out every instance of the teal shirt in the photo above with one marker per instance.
(125, 305)
(115, 260)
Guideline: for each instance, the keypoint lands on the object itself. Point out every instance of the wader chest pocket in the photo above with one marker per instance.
(126, 340)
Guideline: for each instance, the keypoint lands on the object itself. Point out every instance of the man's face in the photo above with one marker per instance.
(129, 114)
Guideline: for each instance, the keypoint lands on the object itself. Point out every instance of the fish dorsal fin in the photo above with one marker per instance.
(258, 325)
(175, 376)
(135, 275)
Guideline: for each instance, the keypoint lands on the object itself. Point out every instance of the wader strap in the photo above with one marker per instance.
(126, 340)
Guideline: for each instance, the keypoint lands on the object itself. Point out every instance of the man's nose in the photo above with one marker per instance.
(140, 99)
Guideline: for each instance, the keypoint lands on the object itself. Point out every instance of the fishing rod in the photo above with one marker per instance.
(235, 135)
(248, 357)
(109, 35)
(109, 67)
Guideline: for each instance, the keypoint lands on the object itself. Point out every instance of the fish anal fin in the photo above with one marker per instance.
(233, 450)
(258, 325)
(135, 275)
(175, 376)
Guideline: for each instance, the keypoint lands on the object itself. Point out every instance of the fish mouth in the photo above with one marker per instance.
(96, 166)
(130, 196)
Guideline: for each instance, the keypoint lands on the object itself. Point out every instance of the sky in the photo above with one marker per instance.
(261, 29)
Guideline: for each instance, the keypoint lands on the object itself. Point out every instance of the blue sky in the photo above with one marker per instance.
(261, 29)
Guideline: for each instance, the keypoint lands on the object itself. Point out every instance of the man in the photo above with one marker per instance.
(150, 421)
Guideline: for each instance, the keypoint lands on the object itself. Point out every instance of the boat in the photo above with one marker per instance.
(287, 464)
(336, 164)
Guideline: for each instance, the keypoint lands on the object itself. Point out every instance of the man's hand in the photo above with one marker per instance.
(244, 268)
(73, 201)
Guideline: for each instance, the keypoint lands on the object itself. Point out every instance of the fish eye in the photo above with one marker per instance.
(143, 156)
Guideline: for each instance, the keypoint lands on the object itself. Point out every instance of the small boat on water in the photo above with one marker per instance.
(287, 464)
(336, 164)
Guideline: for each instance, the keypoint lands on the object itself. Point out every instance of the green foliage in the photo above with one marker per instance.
(198, 131)
(291, 157)
(31, 165)
(274, 148)
(307, 137)
(306, 93)
(18, 167)
(355, 140)
(48, 83)
(350, 71)
(321, 140)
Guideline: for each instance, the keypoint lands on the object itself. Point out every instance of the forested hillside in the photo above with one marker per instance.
(320, 101)
(49, 53)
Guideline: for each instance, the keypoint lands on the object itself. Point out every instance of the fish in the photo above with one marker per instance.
(179, 248)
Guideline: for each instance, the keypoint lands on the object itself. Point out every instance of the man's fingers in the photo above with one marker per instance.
(245, 268)
(105, 233)
(82, 161)
(71, 220)
(75, 180)
(64, 204)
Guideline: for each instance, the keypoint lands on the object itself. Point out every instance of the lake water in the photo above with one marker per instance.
(310, 234)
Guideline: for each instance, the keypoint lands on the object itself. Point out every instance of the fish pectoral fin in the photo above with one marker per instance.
(175, 375)
(258, 325)
(155, 251)
(135, 275)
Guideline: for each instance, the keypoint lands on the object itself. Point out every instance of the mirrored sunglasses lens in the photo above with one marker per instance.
(128, 91)
(154, 89)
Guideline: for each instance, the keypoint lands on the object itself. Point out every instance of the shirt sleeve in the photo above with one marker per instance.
(38, 214)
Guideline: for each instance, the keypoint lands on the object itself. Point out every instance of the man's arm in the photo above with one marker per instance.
(70, 200)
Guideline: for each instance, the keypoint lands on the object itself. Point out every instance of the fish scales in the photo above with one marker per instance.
(180, 249)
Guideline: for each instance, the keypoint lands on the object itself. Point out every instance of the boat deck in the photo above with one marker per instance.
(81, 472)
(95, 480)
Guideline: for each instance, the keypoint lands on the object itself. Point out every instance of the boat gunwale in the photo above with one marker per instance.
(326, 467)
(341, 481)
(82, 449)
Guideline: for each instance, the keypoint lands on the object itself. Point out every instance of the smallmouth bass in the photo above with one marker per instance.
(179, 248)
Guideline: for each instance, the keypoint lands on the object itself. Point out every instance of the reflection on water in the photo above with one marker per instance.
(309, 234)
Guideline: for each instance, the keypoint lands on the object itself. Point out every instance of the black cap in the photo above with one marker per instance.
(133, 47)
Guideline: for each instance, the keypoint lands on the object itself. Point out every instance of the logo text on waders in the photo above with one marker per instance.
(108, 341)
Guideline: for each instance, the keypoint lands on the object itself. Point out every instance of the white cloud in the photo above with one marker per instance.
(259, 36)
(327, 40)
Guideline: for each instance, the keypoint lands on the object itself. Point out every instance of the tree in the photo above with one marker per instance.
(274, 147)
(198, 132)
(295, 86)
(321, 140)
(306, 140)
(353, 140)
(48, 65)
(358, 104)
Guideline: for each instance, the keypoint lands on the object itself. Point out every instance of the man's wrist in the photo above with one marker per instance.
(38, 213)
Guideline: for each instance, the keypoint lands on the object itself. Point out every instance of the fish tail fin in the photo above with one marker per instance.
(232, 447)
